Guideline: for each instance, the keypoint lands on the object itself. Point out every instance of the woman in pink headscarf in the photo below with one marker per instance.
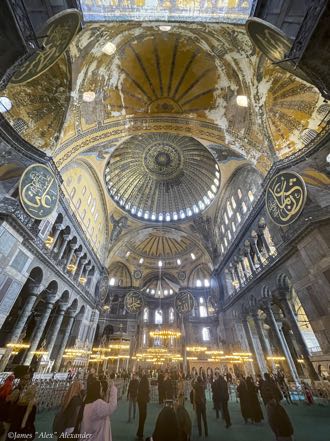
(5, 391)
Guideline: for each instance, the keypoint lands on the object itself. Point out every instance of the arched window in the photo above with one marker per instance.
(171, 315)
(112, 281)
(222, 248)
(73, 192)
(229, 210)
(206, 334)
(206, 283)
(233, 202)
(83, 214)
(229, 235)
(244, 207)
(158, 316)
(198, 283)
(89, 199)
(225, 240)
(233, 227)
(226, 219)
(146, 315)
(78, 204)
(239, 193)
(144, 338)
(238, 217)
(222, 228)
(202, 307)
(250, 195)
(83, 190)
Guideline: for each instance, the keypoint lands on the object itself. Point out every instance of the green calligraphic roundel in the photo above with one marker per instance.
(133, 302)
(38, 191)
(57, 35)
(184, 302)
(285, 197)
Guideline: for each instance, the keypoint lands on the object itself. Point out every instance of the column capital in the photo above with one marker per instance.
(62, 307)
(71, 314)
(79, 254)
(66, 237)
(59, 227)
(35, 289)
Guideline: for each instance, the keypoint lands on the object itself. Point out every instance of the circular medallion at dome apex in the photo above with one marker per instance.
(162, 177)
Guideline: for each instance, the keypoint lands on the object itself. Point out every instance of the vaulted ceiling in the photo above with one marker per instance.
(154, 120)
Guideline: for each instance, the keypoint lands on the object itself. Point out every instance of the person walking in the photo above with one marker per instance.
(167, 428)
(254, 405)
(65, 421)
(22, 406)
(200, 405)
(243, 399)
(270, 390)
(160, 382)
(222, 397)
(279, 421)
(131, 396)
(96, 413)
(142, 400)
(5, 390)
(168, 387)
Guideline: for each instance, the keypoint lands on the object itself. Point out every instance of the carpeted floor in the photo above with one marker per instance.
(310, 423)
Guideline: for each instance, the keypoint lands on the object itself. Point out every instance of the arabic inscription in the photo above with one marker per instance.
(38, 190)
(285, 197)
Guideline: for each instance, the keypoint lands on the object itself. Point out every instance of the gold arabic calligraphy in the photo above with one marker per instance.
(38, 191)
(285, 198)
(133, 302)
(184, 302)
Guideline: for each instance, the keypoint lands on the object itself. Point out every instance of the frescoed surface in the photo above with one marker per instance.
(234, 11)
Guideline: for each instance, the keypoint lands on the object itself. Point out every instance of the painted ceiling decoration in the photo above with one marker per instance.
(162, 177)
(154, 121)
(235, 11)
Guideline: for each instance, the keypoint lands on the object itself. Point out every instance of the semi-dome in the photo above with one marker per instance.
(162, 177)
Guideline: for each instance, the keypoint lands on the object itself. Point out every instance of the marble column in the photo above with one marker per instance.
(15, 334)
(58, 229)
(86, 271)
(39, 331)
(55, 329)
(290, 316)
(70, 255)
(261, 336)
(255, 248)
(79, 257)
(60, 254)
(64, 342)
(249, 339)
(81, 268)
(283, 350)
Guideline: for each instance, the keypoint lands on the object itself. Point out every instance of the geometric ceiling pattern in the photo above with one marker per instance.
(162, 177)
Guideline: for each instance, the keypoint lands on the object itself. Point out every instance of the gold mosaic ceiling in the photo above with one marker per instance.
(181, 83)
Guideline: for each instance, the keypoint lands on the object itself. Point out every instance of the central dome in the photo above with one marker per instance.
(162, 177)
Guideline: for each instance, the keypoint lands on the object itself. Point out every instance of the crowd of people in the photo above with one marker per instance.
(90, 401)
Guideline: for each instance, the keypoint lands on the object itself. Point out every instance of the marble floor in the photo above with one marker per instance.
(311, 423)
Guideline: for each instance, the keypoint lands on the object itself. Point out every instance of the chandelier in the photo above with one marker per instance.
(165, 333)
